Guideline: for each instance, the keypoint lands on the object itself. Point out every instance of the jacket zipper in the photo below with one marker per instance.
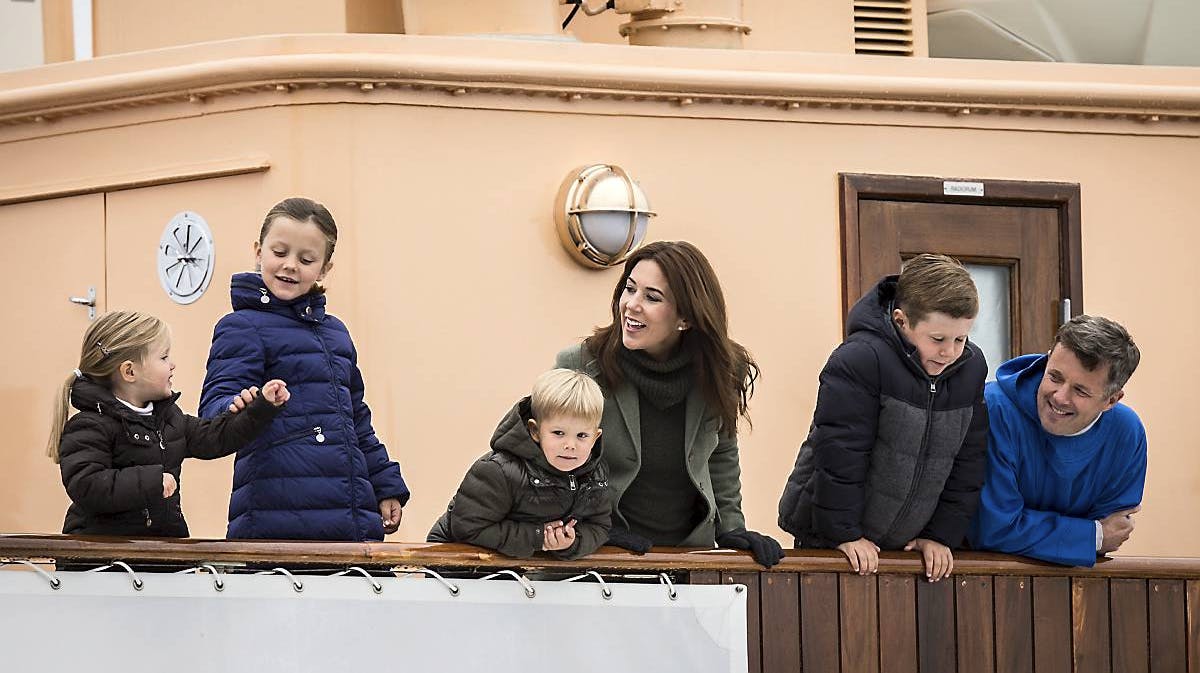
(572, 478)
(912, 491)
(162, 459)
(353, 503)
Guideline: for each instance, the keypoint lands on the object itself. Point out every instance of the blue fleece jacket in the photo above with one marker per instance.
(319, 471)
(1043, 492)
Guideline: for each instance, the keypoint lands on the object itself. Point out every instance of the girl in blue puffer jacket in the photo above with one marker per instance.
(318, 472)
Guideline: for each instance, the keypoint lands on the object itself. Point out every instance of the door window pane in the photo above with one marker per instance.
(992, 330)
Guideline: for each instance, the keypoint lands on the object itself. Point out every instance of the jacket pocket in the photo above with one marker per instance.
(315, 432)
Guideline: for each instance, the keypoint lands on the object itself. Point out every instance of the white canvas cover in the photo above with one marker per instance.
(179, 623)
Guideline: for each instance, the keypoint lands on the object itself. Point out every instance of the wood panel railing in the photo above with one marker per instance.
(996, 614)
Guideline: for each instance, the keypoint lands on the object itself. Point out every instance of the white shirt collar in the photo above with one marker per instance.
(143, 411)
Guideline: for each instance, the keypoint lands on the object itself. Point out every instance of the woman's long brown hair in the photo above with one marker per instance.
(724, 369)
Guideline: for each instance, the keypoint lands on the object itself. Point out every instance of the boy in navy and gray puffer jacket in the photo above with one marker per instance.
(896, 453)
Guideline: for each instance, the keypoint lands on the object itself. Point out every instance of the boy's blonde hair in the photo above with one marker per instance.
(109, 341)
(566, 392)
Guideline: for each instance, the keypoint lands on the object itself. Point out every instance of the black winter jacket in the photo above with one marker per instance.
(512, 490)
(113, 459)
(892, 454)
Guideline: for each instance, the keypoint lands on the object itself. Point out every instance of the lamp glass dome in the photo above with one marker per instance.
(607, 230)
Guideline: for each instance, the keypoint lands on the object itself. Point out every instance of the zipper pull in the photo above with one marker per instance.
(160, 443)
(264, 298)
(572, 478)
(320, 435)
(932, 388)
(149, 521)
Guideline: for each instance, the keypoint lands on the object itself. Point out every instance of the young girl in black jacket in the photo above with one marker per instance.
(121, 454)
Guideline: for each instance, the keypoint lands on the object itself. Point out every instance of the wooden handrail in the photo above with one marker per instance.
(387, 554)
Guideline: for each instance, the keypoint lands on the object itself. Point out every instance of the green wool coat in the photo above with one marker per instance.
(712, 460)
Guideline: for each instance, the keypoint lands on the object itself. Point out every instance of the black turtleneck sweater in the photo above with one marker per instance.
(662, 503)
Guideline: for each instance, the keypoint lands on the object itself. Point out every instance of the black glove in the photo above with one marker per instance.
(764, 548)
(627, 539)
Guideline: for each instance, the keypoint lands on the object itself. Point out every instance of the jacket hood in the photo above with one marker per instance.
(1019, 379)
(512, 436)
(87, 395)
(247, 290)
(873, 313)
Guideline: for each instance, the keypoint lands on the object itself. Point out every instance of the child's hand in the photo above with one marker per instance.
(276, 392)
(862, 554)
(558, 536)
(169, 485)
(939, 561)
(242, 399)
(390, 511)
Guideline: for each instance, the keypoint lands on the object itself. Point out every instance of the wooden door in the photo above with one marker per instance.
(233, 208)
(1025, 233)
(52, 250)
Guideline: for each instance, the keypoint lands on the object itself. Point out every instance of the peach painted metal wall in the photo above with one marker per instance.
(440, 158)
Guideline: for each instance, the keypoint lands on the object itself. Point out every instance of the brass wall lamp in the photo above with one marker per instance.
(601, 215)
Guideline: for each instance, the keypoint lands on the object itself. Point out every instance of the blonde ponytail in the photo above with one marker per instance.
(58, 416)
(110, 340)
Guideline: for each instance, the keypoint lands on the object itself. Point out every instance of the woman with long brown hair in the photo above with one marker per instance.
(675, 387)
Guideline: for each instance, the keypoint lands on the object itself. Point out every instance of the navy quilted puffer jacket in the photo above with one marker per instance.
(319, 471)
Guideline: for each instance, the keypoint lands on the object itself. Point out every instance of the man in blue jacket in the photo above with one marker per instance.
(1066, 460)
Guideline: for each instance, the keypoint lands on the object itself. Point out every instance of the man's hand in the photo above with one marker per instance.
(862, 554)
(169, 485)
(939, 561)
(1117, 528)
(558, 536)
(391, 512)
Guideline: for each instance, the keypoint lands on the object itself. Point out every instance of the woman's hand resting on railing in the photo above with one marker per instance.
(764, 548)
(627, 539)
(939, 560)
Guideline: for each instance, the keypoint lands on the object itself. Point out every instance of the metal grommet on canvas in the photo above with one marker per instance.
(452, 588)
(671, 592)
(218, 583)
(296, 584)
(604, 590)
(138, 585)
(375, 585)
(55, 583)
(530, 592)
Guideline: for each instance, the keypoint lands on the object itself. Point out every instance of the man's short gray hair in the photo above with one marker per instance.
(1095, 341)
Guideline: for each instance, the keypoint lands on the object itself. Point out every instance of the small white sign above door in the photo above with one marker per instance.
(952, 188)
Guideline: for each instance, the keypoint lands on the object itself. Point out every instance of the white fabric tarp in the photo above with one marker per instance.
(259, 623)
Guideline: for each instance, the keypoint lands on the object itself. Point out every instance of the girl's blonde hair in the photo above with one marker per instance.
(109, 341)
(566, 392)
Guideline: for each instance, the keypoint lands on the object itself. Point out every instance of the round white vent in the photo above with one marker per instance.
(185, 257)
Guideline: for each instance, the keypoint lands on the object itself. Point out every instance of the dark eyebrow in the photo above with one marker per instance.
(651, 288)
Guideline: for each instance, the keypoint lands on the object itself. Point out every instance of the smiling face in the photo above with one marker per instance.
(292, 257)
(1070, 397)
(938, 338)
(566, 440)
(649, 318)
(148, 378)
